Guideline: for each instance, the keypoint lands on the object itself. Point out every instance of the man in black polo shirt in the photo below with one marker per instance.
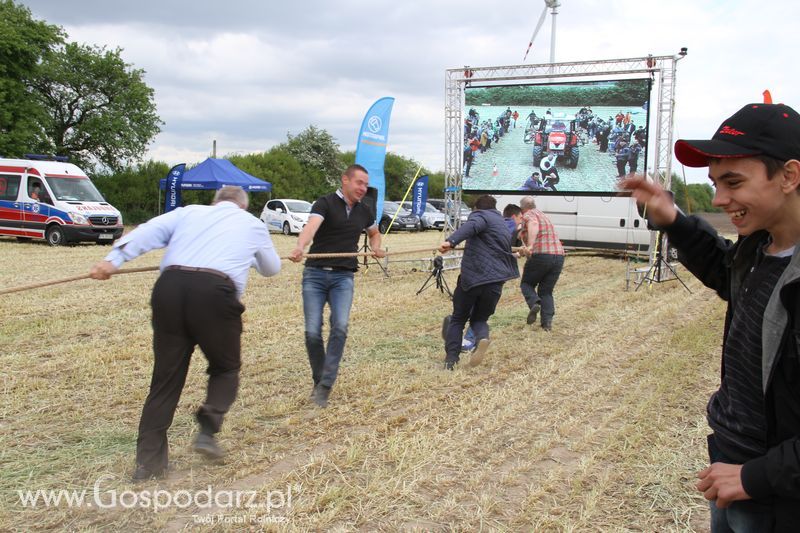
(335, 224)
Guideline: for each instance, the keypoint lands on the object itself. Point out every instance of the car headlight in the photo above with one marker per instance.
(79, 219)
(119, 220)
(297, 218)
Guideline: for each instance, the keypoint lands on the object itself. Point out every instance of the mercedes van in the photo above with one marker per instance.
(55, 201)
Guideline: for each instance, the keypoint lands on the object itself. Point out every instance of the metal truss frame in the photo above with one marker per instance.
(660, 69)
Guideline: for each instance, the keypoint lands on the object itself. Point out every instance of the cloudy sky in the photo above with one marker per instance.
(247, 72)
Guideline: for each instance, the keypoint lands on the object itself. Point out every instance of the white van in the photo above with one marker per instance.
(56, 201)
(601, 222)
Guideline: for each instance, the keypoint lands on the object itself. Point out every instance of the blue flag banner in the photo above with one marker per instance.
(371, 148)
(420, 196)
(174, 180)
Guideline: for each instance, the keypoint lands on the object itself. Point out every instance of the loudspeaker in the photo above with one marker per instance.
(370, 201)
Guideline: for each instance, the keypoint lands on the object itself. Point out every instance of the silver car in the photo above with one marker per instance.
(431, 218)
(439, 204)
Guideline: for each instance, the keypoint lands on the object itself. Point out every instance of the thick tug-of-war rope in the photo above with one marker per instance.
(154, 268)
(73, 278)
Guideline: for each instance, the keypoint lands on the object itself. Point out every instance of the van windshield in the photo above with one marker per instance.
(74, 189)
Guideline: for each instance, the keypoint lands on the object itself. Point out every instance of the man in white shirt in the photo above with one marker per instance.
(195, 301)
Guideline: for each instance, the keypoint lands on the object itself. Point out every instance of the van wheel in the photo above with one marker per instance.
(286, 229)
(55, 236)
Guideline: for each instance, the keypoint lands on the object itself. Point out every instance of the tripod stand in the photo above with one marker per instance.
(654, 273)
(365, 249)
(437, 278)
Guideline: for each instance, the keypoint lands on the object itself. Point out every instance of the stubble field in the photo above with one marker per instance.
(597, 426)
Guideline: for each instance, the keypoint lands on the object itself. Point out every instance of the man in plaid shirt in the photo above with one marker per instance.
(544, 264)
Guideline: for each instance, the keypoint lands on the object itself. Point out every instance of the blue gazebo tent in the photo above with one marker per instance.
(213, 174)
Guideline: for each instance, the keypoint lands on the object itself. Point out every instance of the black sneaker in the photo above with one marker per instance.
(206, 444)
(534, 312)
(547, 327)
(445, 327)
(450, 365)
(321, 396)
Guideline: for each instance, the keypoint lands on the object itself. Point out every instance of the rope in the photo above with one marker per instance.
(364, 254)
(73, 278)
(154, 268)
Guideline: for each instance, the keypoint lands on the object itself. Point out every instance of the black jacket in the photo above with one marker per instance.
(487, 256)
(723, 266)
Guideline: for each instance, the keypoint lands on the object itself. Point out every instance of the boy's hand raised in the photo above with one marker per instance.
(659, 207)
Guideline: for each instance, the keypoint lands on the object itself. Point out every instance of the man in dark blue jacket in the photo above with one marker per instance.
(487, 264)
(753, 481)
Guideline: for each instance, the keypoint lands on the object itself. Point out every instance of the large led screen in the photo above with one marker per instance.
(569, 138)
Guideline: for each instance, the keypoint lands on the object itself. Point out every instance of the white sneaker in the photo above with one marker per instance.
(479, 352)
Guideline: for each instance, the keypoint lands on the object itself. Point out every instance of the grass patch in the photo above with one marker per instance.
(597, 425)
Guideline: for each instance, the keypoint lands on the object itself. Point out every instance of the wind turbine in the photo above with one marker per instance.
(554, 5)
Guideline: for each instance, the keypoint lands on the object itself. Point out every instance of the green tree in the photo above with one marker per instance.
(99, 110)
(398, 172)
(23, 43)
(318, 154)
(436, 184)
(288, 177)
(693, 197)
(702, 195)
(134, 190)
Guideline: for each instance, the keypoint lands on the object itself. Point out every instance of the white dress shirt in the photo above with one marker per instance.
(222, 237)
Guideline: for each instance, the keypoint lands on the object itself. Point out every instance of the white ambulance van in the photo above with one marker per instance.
(55, 201)
(598, 222)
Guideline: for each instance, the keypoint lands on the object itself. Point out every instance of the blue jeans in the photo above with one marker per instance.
(745, 516)
(334, 287)
(539, 277)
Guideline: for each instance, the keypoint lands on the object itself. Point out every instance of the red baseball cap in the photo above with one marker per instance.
(756, 129)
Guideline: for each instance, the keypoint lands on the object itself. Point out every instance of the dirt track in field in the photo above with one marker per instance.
(721, 222)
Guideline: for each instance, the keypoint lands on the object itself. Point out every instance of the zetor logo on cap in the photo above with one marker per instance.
(727, 130)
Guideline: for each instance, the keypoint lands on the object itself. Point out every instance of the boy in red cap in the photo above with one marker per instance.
(753, 483)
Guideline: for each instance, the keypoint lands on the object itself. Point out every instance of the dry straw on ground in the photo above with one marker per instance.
(598, 425)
